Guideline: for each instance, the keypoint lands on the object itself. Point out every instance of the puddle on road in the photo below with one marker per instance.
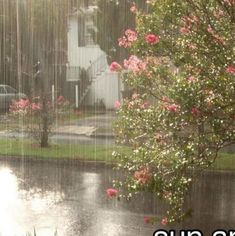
(71, 199)
(20, 208)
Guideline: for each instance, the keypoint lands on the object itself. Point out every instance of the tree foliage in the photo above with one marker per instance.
(182, 112)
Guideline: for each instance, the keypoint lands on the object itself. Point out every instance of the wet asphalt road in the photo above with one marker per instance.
(70, 197)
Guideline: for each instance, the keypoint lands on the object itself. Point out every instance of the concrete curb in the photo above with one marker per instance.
(58, 161)
(112, 136)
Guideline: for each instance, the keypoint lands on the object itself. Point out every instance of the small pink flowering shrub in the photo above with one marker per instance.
(182, 69)
(38, 116)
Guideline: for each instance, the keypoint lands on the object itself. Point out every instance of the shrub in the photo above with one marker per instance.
(39, 116)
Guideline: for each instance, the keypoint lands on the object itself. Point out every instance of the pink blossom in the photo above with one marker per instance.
(188, 20)
(36, 106)
(142, 176)
(173, 108)
(195, 111)
(164, 221)
(229, 2)
(218, 13)
(210, 30)
(114, 66)
(123, 42)
(117, 104)
(60, 99)
(135, 95)
(144, 105)
(216, 36)
(135, 64)
(23, 103)
(192, 46)
(133, 8)
(130, 104)
(185, 30)
(20, 107)
(165, 99)
(152, 39)
(194, 18)
(147, 219)
(111, 192)
(191, 78)
(230, 69)
(131, 35)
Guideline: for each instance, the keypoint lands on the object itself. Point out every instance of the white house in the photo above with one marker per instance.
(87, 68)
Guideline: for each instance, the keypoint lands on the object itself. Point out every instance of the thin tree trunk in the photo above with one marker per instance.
(45, 126)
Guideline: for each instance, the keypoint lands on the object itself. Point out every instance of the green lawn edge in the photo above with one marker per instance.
(29, 149)
(98, 153)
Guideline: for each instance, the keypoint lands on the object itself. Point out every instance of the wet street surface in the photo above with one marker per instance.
(70, 198)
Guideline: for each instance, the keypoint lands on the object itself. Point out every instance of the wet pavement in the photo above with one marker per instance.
(70, 198)
(100, 120)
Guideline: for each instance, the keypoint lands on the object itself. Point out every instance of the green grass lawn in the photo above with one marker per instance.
(27, 148)
(62, 151)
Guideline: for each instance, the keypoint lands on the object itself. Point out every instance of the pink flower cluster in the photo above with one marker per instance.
(23, 106)
(61, 101)
(174, 108)
(111, 192)
(23, 103)
(218, 13)
(142, 176)
(134, 8)
(191, 78)
(114, 67)
(117, 104)
(215, 35)
(230, 69)
(147, 219)
(195, 111)
(129, 37)
(164, 221)
(229, 2)
(135, 64)
(36, 106)
(152, 39)
(188, 22)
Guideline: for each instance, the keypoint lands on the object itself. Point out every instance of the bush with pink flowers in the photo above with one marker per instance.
(38, 116)
(182, 113)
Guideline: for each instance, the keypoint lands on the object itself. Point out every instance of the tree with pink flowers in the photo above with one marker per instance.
(182, 112)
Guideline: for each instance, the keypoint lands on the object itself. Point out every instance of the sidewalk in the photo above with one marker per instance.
(97, 125)
(93, 126)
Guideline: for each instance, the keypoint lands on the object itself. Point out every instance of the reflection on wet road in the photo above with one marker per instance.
(71, 199)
